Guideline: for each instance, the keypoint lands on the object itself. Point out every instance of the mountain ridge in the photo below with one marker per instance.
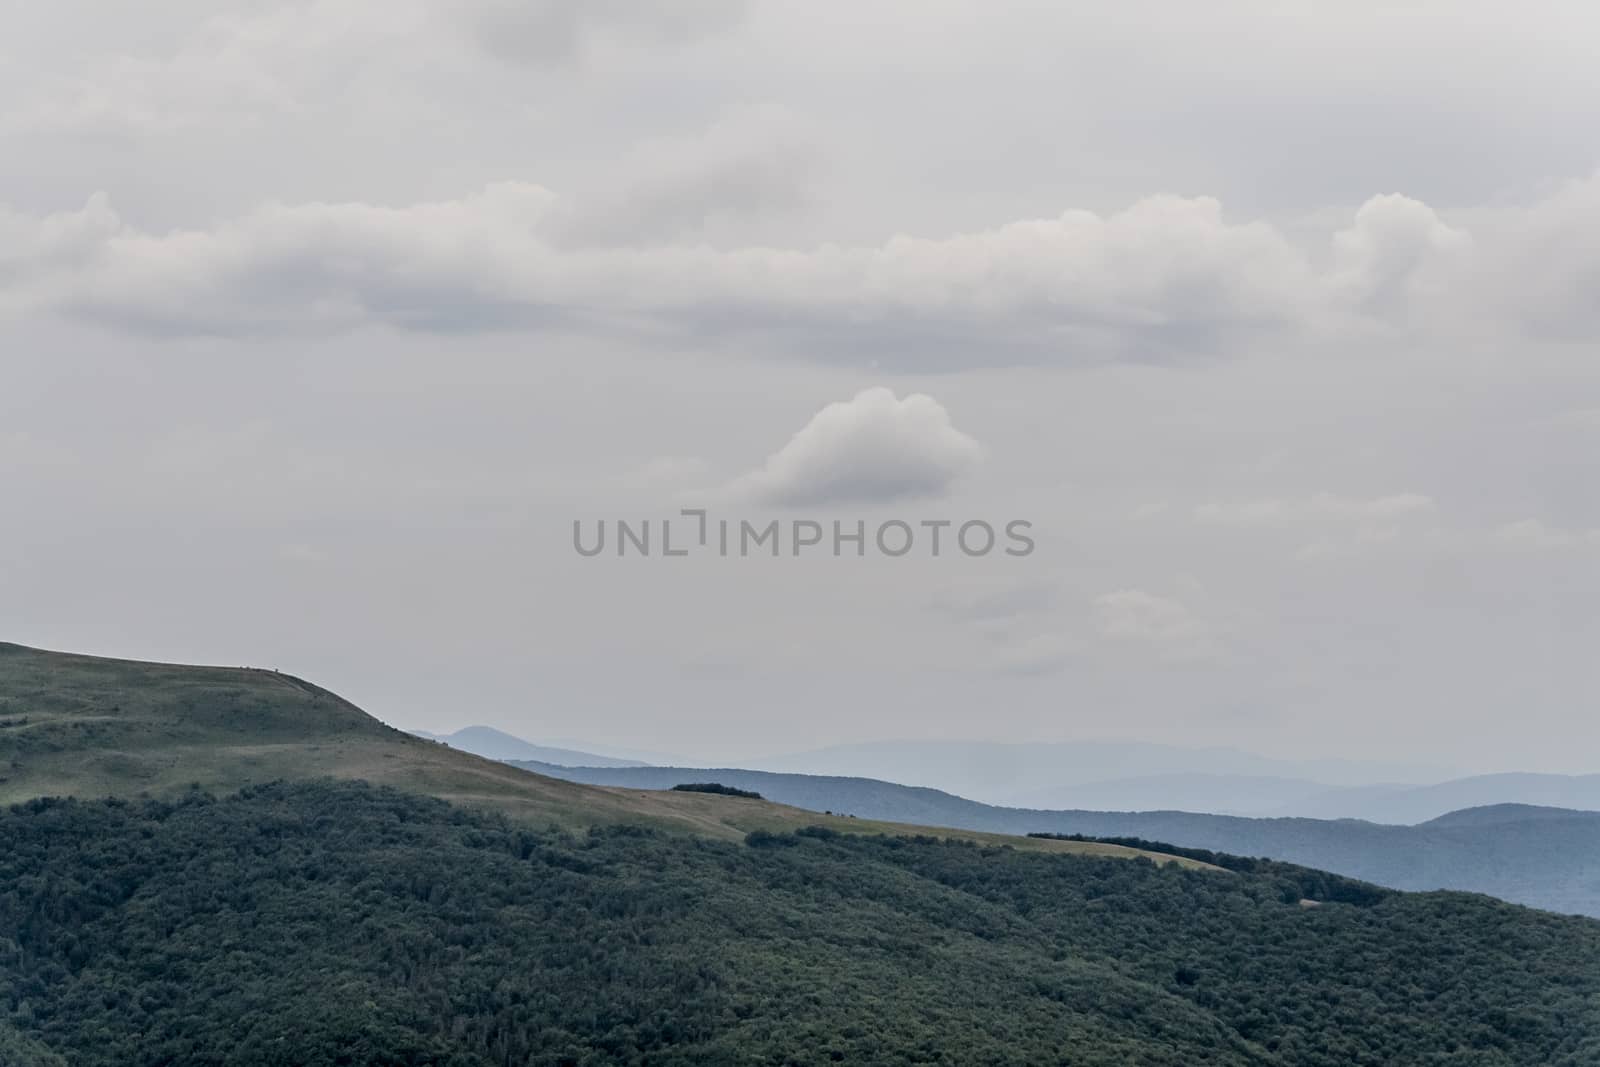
(496, 744)
(1006, 772)
(91, 727)
(1528, 857)
(1208, 792)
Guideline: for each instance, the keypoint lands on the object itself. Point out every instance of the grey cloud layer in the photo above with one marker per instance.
(551, 31)
(1167, 277)
(178, 69)
(311, 352)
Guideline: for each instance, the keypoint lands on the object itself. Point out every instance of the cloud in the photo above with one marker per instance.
(992, 602)
(22, 452)
(1546, 270)
(1036, 653)
(1166, 273)
(298, 552)
(1527, 537)
(1394, 245)
(306, 268)
(209, 69)
(1578, 419)
(1014, 622)
(225, 67)
(874, 448)
(544, 32)
(1320, 507)
(1134, 616)
(1165, 279)
(749, 167)
(1141, 616)
(60, 242)
(666, 472)
(1532, 535)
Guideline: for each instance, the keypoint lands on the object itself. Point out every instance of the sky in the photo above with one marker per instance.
(322, 324)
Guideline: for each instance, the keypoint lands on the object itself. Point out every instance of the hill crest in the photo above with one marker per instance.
(87, 726)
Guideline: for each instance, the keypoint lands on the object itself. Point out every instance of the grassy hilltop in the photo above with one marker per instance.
(90, 727)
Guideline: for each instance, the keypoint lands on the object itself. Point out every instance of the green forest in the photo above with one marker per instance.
(315, 924)
(716, 788)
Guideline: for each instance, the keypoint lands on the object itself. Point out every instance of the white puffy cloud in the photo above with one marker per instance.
(1393, 245)
(873, 448)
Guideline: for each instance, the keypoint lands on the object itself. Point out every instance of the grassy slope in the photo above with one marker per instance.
(84, 726)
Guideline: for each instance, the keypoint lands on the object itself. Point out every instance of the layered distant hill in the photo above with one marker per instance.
(1088, 776)
(1043, 775)
(1269, 796)
(1125, 776)
(490, 743)
(1414, 804)
(1544, 857)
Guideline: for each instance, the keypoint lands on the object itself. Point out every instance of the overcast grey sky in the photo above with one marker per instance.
(321, 322)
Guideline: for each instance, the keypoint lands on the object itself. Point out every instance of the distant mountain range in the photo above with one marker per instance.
(1095, 776)
(1034, 775)
(1402, 805)
(1413, 804)
(490, 743)
(1540, 856)
(1119, 776)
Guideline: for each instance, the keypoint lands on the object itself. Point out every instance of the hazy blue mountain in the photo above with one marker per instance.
(1543, 857)
(1406, 805)
(1015, 774)
(1500, 814)
(627, 753)
(490, 743)
(1419, 803)
(1224, 794)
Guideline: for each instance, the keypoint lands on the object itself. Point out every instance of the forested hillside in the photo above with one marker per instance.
(1543, 857)
(320, 924)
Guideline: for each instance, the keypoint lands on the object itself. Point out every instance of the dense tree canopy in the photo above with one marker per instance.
(323, 924)
(718, 788)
